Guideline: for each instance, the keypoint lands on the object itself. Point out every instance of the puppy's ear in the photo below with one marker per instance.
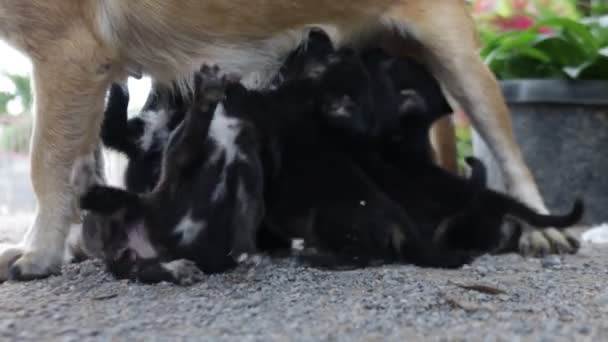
(318, 42)
(411, 102)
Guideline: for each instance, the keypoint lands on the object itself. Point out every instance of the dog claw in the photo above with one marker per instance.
(539, 243)
(24, 269)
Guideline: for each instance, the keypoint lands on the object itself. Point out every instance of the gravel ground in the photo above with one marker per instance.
(513, 299)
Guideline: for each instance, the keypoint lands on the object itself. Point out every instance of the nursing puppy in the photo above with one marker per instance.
(141, 139)
(314, 191)
(392, 146)
(205, 207)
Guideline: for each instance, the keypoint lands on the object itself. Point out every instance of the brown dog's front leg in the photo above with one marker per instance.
(70, 83)
(449, 44)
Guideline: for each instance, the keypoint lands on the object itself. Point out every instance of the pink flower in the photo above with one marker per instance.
(518, 22)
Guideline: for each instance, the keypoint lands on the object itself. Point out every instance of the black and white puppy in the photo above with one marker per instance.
(205, 208)
(142, 139)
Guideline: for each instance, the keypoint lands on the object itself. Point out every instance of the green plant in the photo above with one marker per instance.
(23, 92)
(550, 48)
(464, 145)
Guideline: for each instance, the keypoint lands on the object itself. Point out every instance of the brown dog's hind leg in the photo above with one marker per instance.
(71, 76)
(449, 45)
(443, 138)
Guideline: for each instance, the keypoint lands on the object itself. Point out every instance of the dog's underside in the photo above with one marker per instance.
(79, 47)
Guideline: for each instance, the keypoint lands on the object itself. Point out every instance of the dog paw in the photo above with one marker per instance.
(184, 272)
(538, 243)
(17, 264)
(7, 259)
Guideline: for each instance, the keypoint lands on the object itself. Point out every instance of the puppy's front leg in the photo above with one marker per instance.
(70, 81)
(448, 40)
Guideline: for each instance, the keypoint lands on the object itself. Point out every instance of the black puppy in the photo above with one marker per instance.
(391, 144)
(206, 205)
(314, 190)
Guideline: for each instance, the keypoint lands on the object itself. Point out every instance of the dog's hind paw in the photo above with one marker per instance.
(538, 243)
(183, 272)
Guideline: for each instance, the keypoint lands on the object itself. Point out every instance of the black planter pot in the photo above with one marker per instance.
(562, 129)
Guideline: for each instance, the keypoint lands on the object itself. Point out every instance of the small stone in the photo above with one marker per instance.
(584, 330)
(8, 325)
(551, 261)
(481, 270)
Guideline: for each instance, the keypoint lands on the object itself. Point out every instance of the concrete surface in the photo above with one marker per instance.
(564, 147)
(551, 299)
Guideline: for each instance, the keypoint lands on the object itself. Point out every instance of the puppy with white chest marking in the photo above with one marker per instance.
(141, 139)
(78, 48)
(188, 215)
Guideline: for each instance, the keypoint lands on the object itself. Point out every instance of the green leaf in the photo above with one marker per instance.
(578, 31)
(5, 98)
(597, 70)
(23, 89)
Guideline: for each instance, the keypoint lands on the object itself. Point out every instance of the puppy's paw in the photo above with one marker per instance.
(183, 272)
(538, 243)
(209, 87)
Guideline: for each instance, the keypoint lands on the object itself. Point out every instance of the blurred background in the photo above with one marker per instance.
(546, 39)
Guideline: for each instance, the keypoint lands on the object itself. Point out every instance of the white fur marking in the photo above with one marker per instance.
(220, 189)
(155, 126)
(297, 244)
(224, 131)
(139, 242)
(189, 229)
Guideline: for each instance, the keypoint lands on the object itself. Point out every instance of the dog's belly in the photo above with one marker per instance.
(248, 38)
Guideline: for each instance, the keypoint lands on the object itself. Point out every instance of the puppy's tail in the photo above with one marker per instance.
(521, 212)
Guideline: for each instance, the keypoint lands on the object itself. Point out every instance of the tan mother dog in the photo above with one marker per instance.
(78, 47)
